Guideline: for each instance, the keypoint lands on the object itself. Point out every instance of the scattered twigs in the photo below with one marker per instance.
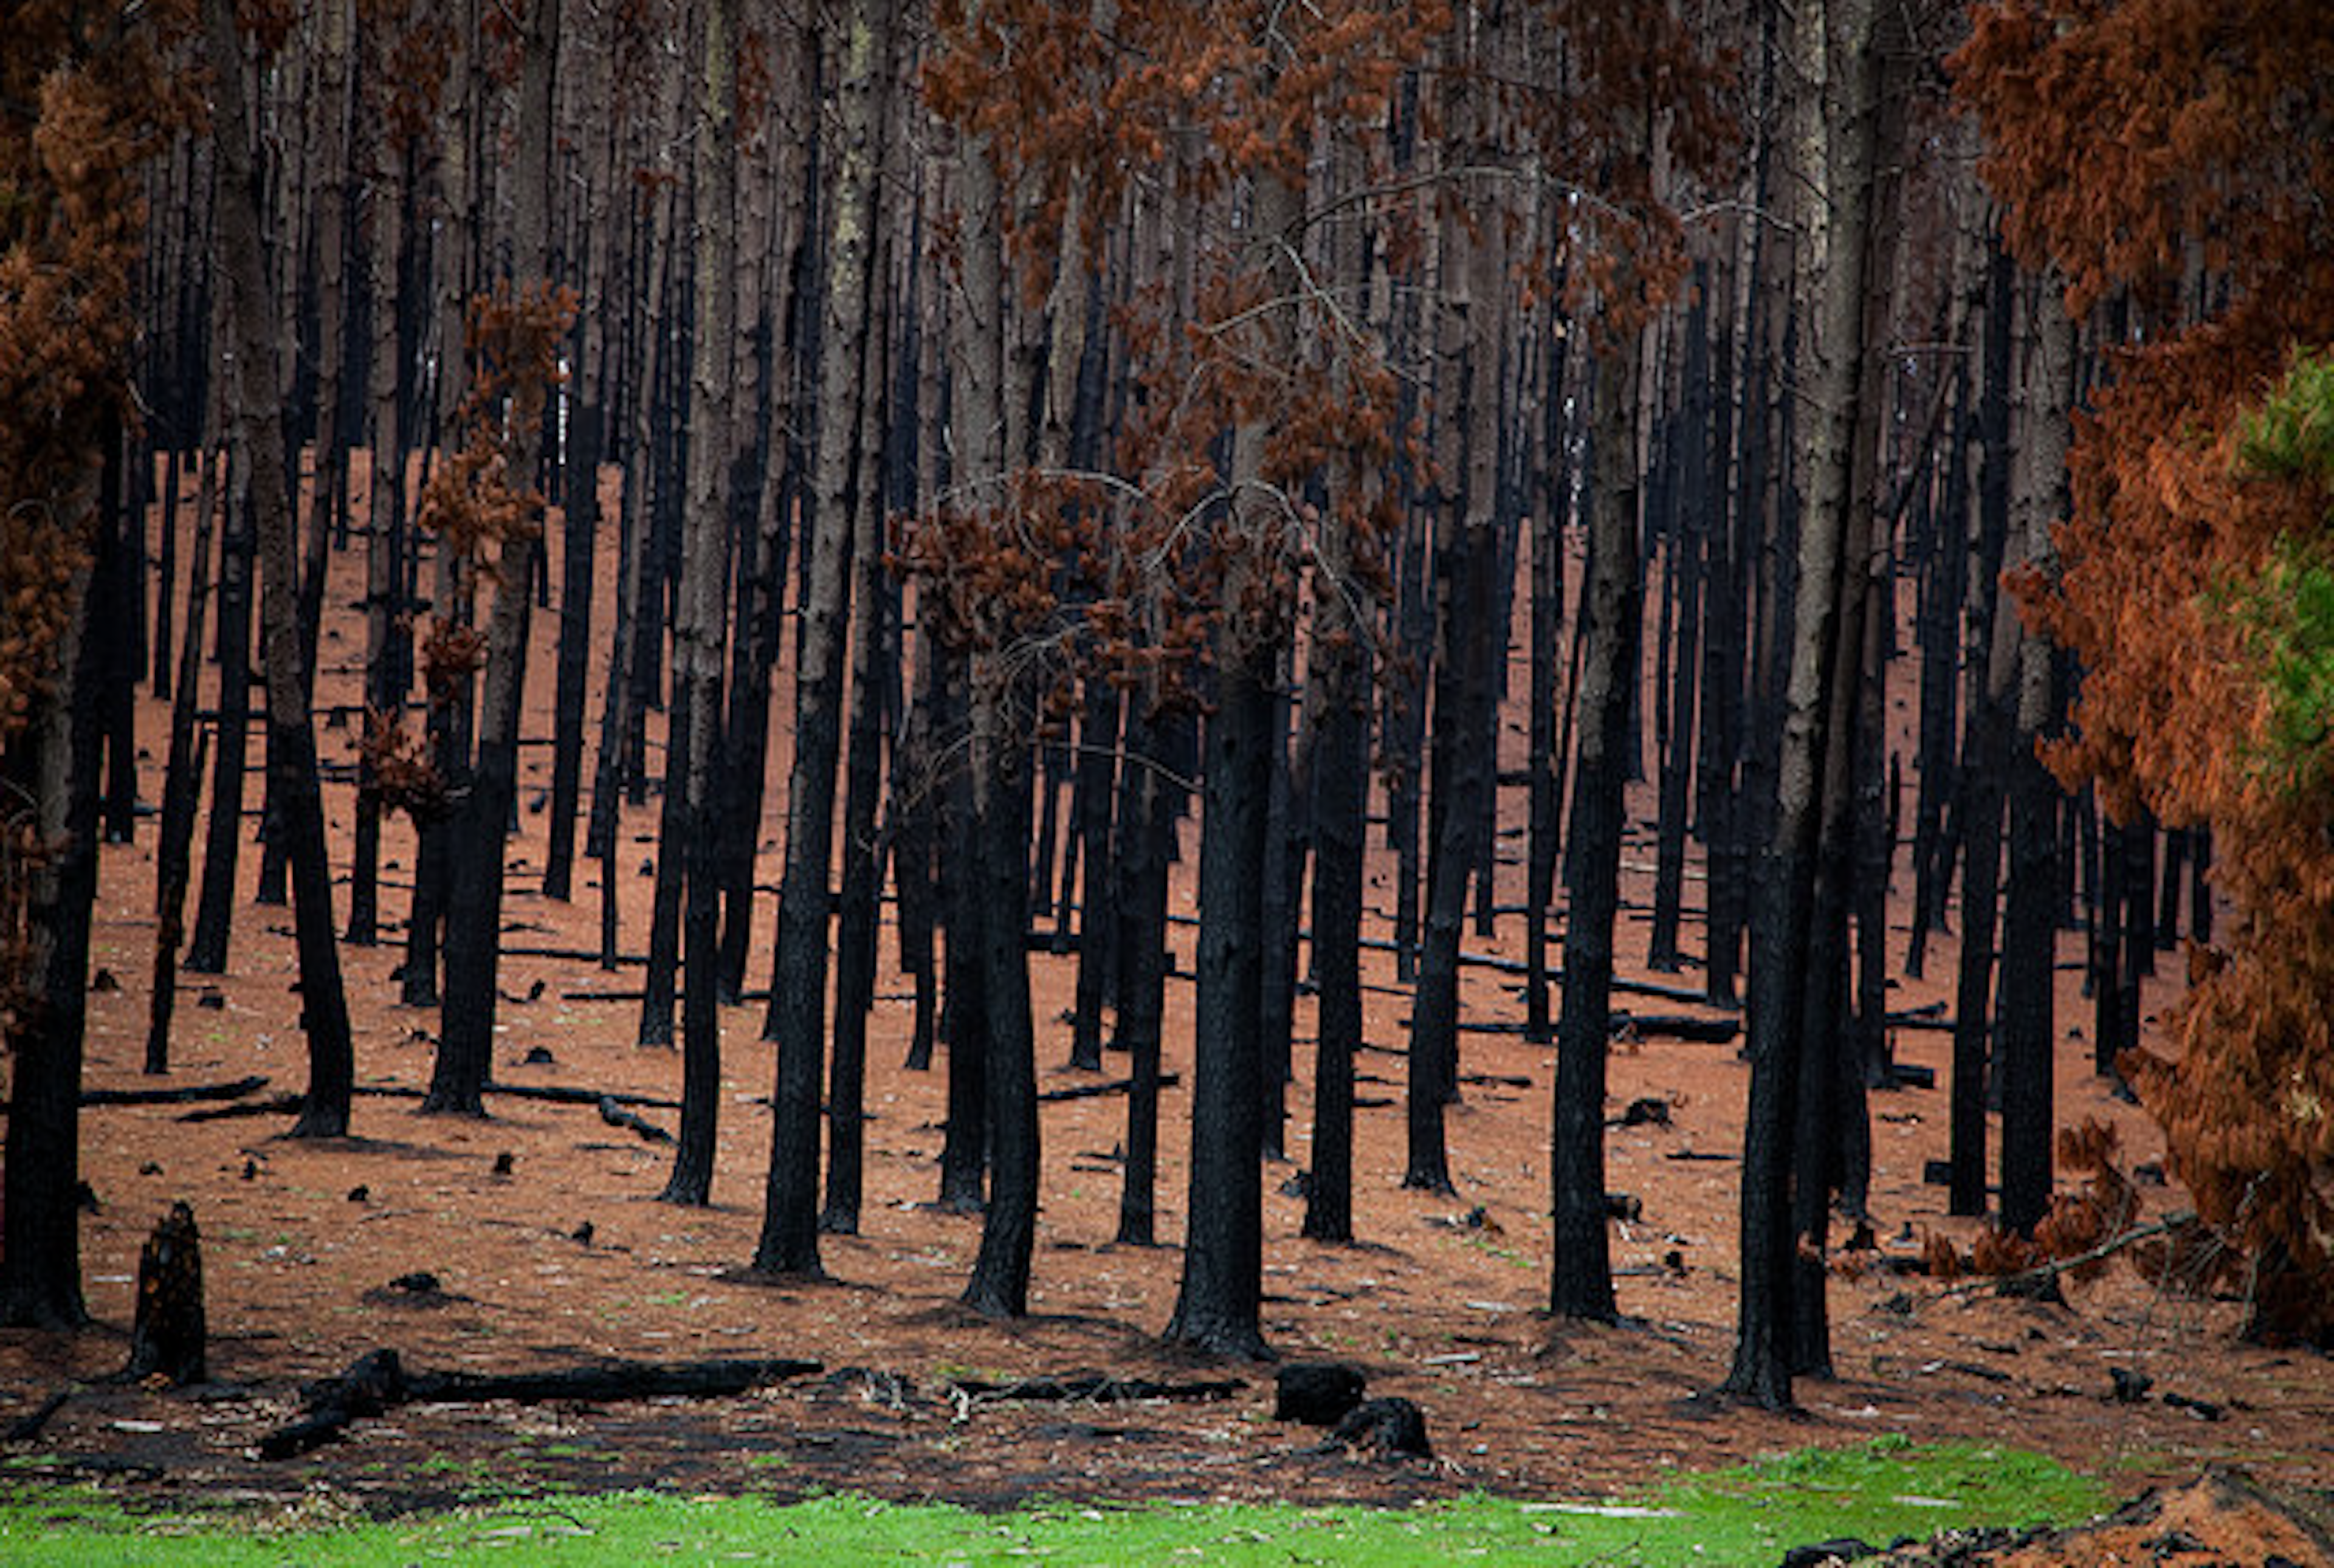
(1091, 1388)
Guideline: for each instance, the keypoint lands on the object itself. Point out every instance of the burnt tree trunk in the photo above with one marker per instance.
(168, 1341)
(1581, 1272)
(291, 748)
(181, 784)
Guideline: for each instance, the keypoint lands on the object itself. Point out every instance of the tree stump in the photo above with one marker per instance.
(1318, 1393)
(167, 1337)
(1385, 1427)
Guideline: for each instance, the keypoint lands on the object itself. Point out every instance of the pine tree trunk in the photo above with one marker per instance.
(1147, 823)
(857, 913)
(1831, 123)
(1218, 1305)
(964, 1011)
(1993, 628)
(789, 1235)
(1545, 806)
(292, 750)
(575, 591)
(1688, 563)
(1091, 815)
(207, 950)
(1612, 608)
(1000, 1285)
(181, 786)
(702, 625)
(388, 642)
(475, 885)
(54, 762)
(2030, 919)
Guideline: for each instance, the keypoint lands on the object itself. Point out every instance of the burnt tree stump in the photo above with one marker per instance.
(167, 1337)
(1385, 1427)
(1318, 1393)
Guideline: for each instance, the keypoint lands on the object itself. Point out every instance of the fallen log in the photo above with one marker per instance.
(598, 1385)
(377, 1381)
(551, 1094)
(273, 1105)
(1677, 1026)
(178, 1094)
(1095, 1091)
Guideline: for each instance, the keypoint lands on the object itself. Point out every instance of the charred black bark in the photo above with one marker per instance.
(1220, 1306)
(575, 589)
(1147, 819)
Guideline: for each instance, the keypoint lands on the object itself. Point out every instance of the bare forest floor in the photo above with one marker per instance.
(1440, 1301)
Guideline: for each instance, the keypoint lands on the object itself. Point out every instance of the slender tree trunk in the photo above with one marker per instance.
(181, 784)
(575, 590)
(964, 1016)
(292, 751)
(1984, 756)
(863, 852)
(2030, 919)
(207, 950)
(1098, 896)
(789, 1237)
(1147, 823)
(1218, 1306)
(1000, 1285)
(1831, 123)
(1688, 564)
(1581, 1274)
(474, 890)
(701, 626)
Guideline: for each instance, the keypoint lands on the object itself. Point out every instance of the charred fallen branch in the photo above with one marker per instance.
(377, 1381)
(615, 1115)
(1095, 1091)
(549, 1094)
(178, 1094)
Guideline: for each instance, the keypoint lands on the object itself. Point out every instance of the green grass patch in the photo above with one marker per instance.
(1747, 1516)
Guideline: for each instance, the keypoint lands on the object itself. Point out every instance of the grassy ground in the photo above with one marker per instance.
(1747, 1516)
